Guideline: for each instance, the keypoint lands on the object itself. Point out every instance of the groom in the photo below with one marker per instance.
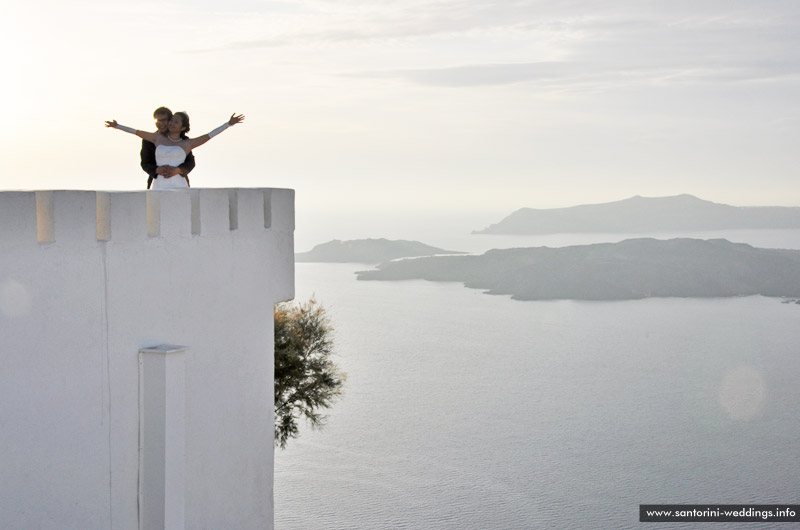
(162, 116)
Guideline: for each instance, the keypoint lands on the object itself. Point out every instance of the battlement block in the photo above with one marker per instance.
(169, 213)
(250, 209)
(279, 209)
(17, 218)
(121, 216)
(210, 211)
(66, 216)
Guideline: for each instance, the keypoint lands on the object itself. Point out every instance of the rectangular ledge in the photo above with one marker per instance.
(164, 348)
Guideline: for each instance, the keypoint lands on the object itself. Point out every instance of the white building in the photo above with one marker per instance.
(95, 431)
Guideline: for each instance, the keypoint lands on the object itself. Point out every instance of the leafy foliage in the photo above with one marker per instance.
(307, 381)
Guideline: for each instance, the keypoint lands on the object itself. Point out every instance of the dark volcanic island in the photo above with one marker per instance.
(368, 251)
(646, 214)
(631, 269)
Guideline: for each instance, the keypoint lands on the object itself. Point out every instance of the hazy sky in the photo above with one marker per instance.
(414, 105)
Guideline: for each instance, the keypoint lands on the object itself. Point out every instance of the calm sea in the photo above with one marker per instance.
(468, 411)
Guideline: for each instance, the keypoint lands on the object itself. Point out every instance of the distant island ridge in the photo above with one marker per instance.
(645, 214)
(368, 251)
(631, 269)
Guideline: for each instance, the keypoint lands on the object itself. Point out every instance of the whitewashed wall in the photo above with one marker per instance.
(87, 279)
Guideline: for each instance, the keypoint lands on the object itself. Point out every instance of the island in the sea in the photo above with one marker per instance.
(631, 269)
(368, 251)
(646, 215)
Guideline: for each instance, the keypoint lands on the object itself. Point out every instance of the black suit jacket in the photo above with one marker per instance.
(148, 155)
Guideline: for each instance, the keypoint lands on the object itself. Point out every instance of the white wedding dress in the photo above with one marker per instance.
(170, 155)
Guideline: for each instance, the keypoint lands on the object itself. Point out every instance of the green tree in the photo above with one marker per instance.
(307, 381)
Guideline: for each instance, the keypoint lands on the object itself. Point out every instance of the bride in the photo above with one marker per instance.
(172, 148)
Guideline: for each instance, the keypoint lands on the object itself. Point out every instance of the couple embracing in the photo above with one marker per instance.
(167, 154)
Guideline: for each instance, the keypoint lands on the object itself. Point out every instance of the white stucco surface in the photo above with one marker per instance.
(87, 279)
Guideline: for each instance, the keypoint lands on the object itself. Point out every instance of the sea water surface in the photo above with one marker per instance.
(463, 410)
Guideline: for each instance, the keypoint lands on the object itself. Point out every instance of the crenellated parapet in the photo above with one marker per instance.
(67, 217)
(104, 423)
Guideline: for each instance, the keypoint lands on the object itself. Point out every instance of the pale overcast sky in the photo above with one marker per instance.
(414, 105)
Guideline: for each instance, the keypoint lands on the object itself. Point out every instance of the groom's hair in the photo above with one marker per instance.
(163, 110)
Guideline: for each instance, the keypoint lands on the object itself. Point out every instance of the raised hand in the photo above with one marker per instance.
(112, 123)
(234, 119)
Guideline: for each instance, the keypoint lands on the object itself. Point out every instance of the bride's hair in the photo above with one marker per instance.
(185, 120)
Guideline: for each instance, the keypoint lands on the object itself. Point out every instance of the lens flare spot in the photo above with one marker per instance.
(742, 393)
(15, 300)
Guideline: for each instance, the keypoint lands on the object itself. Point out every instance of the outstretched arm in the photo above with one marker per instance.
(150, 137)
(200, 140)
